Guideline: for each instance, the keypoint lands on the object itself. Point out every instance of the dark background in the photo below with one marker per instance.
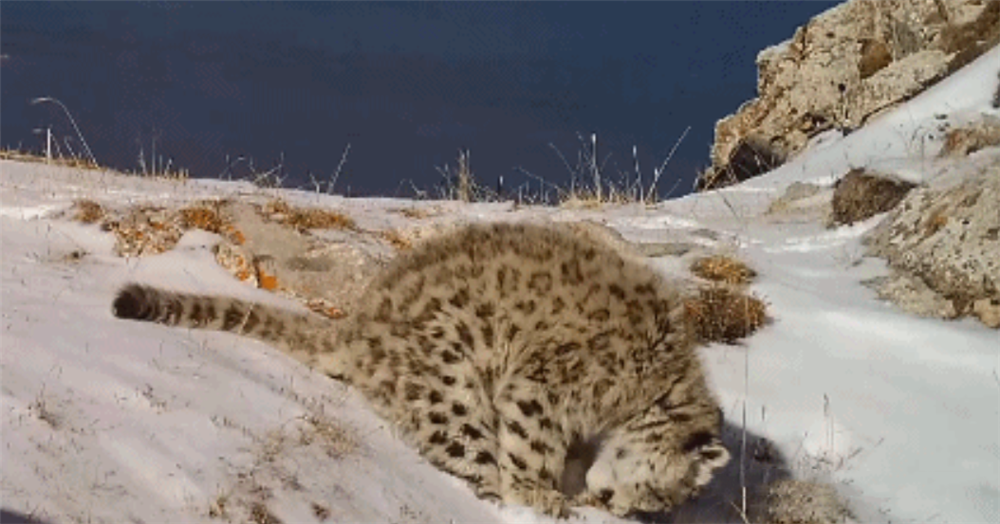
(406, 84)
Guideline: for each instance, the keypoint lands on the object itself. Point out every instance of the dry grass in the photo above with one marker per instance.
(396, 239)
(22, 156)
(720, 313)
(307, 218)
(460, 183)
(336, 439)
(259, 514)
(804, 502)
(720, 268)
(318, 219)
(87, 211)
(417, 213)
(40, 408)
(860, 195)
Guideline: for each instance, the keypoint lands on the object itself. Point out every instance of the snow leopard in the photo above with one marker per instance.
(498, 348)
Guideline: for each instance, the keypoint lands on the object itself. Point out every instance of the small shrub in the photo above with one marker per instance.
(337, 439)
(723, 314)
(804, 502)
(860, 195)
(723, 269)
(88, 211)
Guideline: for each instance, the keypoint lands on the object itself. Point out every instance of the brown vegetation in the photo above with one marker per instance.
(860, 195)
(306, 218)
(720, 313)
(21, 156)
(804, 502)
(396, 239)
(719, 268)
(87, 211)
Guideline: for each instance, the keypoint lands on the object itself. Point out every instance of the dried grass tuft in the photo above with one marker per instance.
(721, 313)
(396, 239)
(259, 514)
(337, 439)
(804, 502)
(860, 195)
(720, 268)
(88, 211)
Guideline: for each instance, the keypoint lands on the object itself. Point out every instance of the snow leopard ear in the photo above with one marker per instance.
(709, 457)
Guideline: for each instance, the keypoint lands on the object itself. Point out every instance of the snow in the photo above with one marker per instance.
(106, 420)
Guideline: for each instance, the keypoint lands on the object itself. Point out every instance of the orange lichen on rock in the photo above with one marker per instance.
(306, 218)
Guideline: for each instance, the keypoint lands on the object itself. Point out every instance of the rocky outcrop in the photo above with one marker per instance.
(973, 137)
(844, 66)
(943, 245)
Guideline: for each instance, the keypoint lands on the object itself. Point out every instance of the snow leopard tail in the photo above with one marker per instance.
(306, 337)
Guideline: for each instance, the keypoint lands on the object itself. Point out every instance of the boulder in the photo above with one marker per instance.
(946, 238)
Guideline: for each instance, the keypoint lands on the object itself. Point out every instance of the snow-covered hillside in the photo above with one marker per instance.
(106, 420)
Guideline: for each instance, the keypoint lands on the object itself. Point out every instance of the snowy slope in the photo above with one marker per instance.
(111, 421)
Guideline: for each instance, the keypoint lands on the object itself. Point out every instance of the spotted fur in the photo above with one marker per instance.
(498, 348)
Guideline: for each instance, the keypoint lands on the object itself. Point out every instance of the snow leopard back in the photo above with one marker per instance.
(498, 348)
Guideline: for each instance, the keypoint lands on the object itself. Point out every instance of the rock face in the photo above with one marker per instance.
(845, 66)
(330, 272)
(944, 245)
(969, 139)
